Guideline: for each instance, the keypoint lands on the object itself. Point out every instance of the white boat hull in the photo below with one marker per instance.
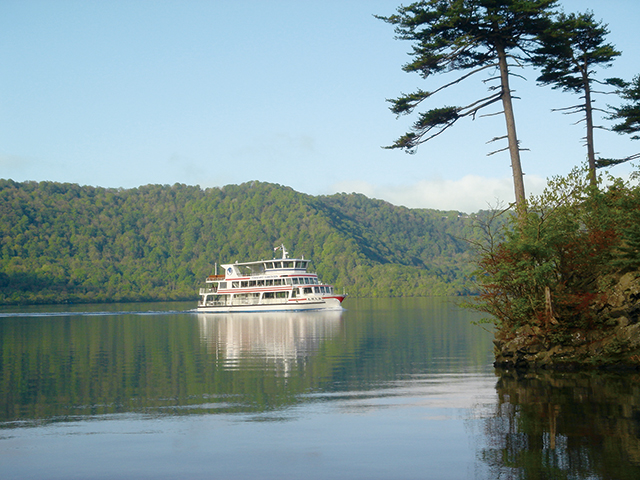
(332, 303)
(275, 285)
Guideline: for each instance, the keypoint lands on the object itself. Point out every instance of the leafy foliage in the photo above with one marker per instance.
(629, 113)
(572, 46)
(463, 35)
(551, 269)
(67, 243)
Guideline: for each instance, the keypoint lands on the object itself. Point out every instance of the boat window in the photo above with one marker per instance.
(307, 281)
(268, 283)
(252, 283)
(244, 283)
(330, 290)
(288, 281)
(277, 281)
(235, 284)
(315, 281)
(300, 264)
(287, 264)
(268, 265)
(269, 295)
(282, 294)
(223, 284)
(277, 264)
(294, 293)
(308, 290)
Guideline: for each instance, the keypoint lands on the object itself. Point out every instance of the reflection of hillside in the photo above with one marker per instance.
(280, 338)
(552, 425)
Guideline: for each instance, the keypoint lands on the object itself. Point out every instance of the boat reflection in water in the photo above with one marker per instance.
(282, 340)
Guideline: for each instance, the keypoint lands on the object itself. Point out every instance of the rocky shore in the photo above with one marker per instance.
(614, 345)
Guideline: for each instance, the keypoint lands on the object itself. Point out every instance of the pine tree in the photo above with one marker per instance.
(571, 48)
(469, 36)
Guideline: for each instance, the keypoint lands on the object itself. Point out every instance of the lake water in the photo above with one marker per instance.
(386, 389)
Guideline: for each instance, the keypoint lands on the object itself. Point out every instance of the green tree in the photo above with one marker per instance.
(629, 113)
(571, 48)
(469, 36)
(549, 271)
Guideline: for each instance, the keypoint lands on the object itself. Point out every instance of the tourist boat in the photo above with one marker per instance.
(267, 285)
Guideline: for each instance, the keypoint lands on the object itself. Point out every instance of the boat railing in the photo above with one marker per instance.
(213, 278)
(204, 291)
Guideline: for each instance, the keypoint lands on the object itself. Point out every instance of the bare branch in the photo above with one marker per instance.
(492, 114)
(486, 104)
(519, 62)
(423, 140)
(496, 138)
(464, 77)
(517, 75)
(483, 103)
(604, 93)
(497, 151)
(578, 107)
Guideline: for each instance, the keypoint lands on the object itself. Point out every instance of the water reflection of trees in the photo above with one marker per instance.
(70, 366)
(564, 426)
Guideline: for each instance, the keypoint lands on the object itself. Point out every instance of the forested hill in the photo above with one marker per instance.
(71, 243)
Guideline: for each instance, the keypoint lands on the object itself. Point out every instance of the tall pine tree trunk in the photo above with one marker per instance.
(588, 112)
(514, 150)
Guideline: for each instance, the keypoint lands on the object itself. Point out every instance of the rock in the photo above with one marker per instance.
(614, 342)
(626, 282)
(623, 321)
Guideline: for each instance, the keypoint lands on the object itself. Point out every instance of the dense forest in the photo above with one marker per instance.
(71, 243)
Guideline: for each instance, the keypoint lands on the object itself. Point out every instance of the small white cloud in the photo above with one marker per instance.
(467, 194)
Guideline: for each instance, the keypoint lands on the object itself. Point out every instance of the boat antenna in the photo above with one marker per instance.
(285, 254)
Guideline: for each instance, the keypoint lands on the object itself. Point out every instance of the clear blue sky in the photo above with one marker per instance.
(128, 93)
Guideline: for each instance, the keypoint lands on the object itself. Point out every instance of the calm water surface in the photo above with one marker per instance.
(387, 389)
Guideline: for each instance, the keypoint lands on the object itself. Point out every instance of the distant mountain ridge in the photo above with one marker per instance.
(63, 242)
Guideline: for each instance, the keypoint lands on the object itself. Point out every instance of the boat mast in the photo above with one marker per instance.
(285, 254)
